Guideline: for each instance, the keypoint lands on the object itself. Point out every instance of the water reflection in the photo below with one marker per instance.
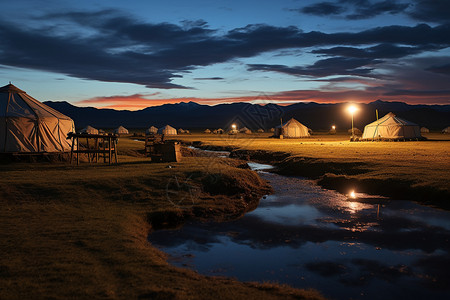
(305, 236)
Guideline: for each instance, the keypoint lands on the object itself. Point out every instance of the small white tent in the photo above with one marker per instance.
(89, 130)
(121, 130)
(151, 130)
(424, 130)
(167, 130)
(391, 127)
(446, 130)
(207, 131)
(261, 130)
(245, 130)
(292, 129)
(27, 125)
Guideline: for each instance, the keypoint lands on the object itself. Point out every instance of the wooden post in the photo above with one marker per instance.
(110, 150)
(78, 151)
(71, 148)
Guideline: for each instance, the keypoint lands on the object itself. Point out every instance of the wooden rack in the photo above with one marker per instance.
(96, 144)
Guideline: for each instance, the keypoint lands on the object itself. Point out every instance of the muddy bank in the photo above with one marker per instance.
(341, 176)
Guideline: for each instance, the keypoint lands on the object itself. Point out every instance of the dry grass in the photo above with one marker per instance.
(81, 232)
(423, 163)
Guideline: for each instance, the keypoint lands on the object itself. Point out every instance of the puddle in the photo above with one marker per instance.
(308, 237)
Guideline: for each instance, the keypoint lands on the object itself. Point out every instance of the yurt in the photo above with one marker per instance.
(151, 130)
(424, 130)
(245, 130)
(167, 130)
(446, 130)
(181, 131)
(121, 130)
(391, 127)
(207, 131)
(261, 130)
(292, 129)
(89, 130)
(29, 126)
(220, 131)
(356, 131)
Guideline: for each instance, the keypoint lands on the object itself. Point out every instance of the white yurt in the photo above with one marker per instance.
(220, 131)
(245, 130)
(207, 131)
(424, 130)
(89, 130)
(292, 129)
(391, 127)
(181, 131)
(151, 130)
(121, 130)
(446, 130)
(27, 125)
(260, 130)
(167, 130)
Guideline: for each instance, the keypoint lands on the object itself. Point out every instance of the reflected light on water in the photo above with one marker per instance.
(352, 195)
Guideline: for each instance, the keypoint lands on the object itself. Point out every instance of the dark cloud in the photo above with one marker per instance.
(210, 78)
(322, 9)
(379, 51)
(431, 10)
(443, 69)
(324, 67)
(355, 9)
(367, 9)
(113, 47)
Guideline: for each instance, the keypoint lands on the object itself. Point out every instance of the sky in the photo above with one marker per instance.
(135, 54)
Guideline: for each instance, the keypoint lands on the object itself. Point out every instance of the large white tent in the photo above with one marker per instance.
(167, 130)
(121, 130)
(27, 125)
(292, 129)
(391, 127)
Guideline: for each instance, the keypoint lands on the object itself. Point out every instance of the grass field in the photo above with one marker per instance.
(80, 232)
(418, 163)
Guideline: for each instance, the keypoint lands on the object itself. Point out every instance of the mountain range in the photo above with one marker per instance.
(191, 115)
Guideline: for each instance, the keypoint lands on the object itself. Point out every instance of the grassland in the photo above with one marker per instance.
(80, 232)
(418, 170)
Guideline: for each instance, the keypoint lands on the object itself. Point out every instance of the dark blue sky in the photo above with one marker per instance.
(134, 54)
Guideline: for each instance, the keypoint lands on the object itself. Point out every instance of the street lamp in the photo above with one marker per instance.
(352, 109)
(333, 127)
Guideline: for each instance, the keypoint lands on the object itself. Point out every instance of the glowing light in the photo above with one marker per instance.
(333, 127)
(352, 109)
(233, 126)
(352, 194)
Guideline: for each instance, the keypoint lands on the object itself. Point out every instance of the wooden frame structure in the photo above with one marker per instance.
(101, 144)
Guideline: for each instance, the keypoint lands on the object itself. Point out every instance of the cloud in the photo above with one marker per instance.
(355, 9)
(113, 47)
(431, 10)
(322, 9)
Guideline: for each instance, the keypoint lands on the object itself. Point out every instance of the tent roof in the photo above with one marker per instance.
(292, 121)
(9, 88)
(391, 119)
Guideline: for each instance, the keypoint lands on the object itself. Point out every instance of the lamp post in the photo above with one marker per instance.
(352, 109)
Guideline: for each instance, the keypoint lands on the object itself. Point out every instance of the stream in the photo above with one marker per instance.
(303, 235)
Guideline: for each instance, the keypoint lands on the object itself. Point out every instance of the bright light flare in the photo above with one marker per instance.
(233, 126)
(333, 127)
(352, 109)
(352, 195)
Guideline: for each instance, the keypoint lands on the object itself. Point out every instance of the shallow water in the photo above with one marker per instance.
(305, 236)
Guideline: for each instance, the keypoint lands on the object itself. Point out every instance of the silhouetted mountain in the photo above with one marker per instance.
(192, 115)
